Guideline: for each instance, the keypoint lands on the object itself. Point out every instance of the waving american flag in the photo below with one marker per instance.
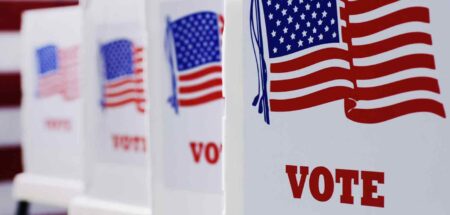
(375, 55)
(123, 74)
(58, 72)
(193, 48)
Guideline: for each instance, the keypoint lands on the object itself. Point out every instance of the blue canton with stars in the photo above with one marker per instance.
(196, 39)
(117, 58)
(47, 59)
(295, 25)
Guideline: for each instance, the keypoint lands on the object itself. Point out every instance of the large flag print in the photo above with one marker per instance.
(193, 47)
(375, 55)
(58, 72)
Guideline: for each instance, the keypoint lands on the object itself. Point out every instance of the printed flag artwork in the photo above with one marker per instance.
(312, 52)
(123, 74)
(193, 48)
(57, 72)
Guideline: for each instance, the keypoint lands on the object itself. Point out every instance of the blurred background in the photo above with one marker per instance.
(10, 98)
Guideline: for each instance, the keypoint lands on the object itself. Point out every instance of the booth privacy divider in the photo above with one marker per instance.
(51, 107)
(117, 138)
(186, 106)
(337, 107)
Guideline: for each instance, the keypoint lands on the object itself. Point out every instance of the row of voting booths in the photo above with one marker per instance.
(237, 107)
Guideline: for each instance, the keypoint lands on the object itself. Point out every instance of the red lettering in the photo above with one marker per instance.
(328, 184)
(297, 187)
(129, 143)
(196, 149)
(347, 178)
(369, 188)
(210, 151)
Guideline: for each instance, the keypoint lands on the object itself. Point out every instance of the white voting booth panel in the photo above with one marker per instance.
(114, 47)
(51, 107)
(337, 107)
(187, 106)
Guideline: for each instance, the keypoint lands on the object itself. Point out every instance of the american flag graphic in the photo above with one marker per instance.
(123, 74)
(193, 48)
(375, 55)
(58, 72)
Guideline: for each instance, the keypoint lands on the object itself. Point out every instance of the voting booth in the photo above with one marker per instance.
(187, 106)
(337, 107)
(117, 141)
(51, 107)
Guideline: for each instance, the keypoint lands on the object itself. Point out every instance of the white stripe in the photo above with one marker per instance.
(395, 99)
(124, 97)
(309, 90)
(196, 69)
(392, 32)
(393, 54)
(343, 46)
(123, 87)
(310, 69)
(10, 51)
(199, 94)
(199, 80)
(410, 73)
(385, 10)
(9, 126)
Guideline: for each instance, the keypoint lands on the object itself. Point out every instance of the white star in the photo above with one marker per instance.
(288, 47)
(275, 50)
(314, 15)
(289, 2)
(300, 43)
(320, 22)
(295, 9)
(324, 14)
(329, 4)
(304, 33)
(274, 33)
(301, 1)
(314, 30)
(285, 30)
(307, 6)
(302, 16)
(278, 22)
(281, 40)
(289, 19)
(277, 6)
(334, 34)
(327, 28)
(270, 16)
(310, 39)
(333, 21)
(297, 26)
(269, 2)
(318, 5)
(320, 36)
(308, 24)
(284, 12)
(292, 36)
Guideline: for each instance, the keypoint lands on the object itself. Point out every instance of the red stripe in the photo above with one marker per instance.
(140, 90)
(10, 162)
(138, 70)
(321, 76)
(407, 85)
(138, 50)
(201, 100)
(11, 11)
(202, 86)
(314, 99)
(138, 60)
(358, 7)
(377, 115)
(125, 81)
(10, 91)
(393, 66)
(308, 60)
(413, 14)
(200, 73)
(390, 44)
(123, 102)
